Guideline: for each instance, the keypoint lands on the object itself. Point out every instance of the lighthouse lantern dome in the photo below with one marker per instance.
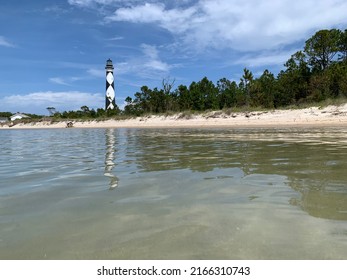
(109, 64)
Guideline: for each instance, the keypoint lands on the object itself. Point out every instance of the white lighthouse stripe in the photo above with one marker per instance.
(110, 93)
(110, 78)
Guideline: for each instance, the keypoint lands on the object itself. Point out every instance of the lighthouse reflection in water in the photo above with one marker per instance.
(110, 158)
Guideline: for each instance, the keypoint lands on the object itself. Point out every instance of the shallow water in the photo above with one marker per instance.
(173, 194)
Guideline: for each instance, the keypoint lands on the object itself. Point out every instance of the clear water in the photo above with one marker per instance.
(173, 194)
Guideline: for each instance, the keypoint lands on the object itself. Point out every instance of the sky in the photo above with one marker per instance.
(53, 53)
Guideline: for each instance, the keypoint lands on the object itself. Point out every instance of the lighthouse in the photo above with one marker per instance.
(110, 94)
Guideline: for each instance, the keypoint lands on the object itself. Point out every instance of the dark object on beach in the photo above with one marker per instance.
(69, 124)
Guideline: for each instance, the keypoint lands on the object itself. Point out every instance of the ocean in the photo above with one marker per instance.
(173, 193)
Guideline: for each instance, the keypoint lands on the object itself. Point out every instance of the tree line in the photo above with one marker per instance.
(85, 113)
(314, 74)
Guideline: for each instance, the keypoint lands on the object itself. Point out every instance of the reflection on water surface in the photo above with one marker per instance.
(313, 162)
(111, 147)
(177, 194)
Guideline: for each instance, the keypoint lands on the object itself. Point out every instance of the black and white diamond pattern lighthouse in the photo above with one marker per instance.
(110, 93)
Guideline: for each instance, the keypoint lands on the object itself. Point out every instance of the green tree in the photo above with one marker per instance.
(343, 46)
(226, 93)
(184, 98)
(157, 101)
(263, 90)
(292, 84)
(141, 101)
(196, 97)
(5, 114)
(246, 80)
(329, 84)
(52, 111)
(203, 95)
(322, 47)
(210, 93)
(168, 84)
(85, 109)
(319, 87)
(92, 113)
(114, 112)
(100, 112)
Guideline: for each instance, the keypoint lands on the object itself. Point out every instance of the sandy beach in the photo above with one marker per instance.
(314, 116)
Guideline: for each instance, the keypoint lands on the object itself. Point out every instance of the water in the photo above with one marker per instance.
(173, 194)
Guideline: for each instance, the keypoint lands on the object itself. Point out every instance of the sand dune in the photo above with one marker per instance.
(314, 116)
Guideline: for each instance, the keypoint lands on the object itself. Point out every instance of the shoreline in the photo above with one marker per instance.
(309, 117)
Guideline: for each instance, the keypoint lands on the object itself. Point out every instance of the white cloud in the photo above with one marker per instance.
(117, 38)
(86, 3)
(37, 102)
(59, 81)
(147, 65)
(175, 20)
(273, 58)
(5, 43)
(74, 79)
(151, 59)
(98, 73)
(149, 51)
(238, 24)
(91, 70)
(93, 3)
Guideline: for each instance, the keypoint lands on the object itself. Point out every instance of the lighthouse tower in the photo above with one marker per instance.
(110, 94)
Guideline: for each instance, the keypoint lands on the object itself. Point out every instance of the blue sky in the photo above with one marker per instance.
(53, 53)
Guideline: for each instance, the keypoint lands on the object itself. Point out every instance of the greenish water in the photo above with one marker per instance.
(173, 194)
